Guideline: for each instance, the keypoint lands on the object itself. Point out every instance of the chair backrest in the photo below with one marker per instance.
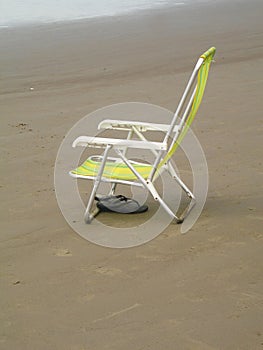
(188, 105)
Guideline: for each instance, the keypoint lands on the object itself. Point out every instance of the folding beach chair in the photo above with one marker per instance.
(121, 170)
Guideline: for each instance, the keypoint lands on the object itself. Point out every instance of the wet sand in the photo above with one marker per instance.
(202, 290)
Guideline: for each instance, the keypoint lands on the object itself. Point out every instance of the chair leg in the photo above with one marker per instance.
(89, 216)
(192, 203)
(188, 209)
(157, 197)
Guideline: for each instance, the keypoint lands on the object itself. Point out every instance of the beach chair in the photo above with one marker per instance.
(122, 170)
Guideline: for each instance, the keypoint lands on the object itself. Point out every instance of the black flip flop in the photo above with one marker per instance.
(120, 204)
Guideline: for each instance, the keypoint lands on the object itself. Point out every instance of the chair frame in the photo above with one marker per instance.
(160, 150)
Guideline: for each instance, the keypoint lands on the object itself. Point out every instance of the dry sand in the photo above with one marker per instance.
(202, 290)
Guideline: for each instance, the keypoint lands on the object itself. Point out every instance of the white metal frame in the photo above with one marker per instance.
(159, 149)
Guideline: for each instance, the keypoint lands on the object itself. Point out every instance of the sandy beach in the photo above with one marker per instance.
(201, 290)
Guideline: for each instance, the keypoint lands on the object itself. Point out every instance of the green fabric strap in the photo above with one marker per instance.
(200, 88)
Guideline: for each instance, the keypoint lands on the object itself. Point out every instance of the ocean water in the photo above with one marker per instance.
(26, 12)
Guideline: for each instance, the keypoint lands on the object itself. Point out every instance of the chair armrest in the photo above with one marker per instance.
(128, 125)
(103, 142)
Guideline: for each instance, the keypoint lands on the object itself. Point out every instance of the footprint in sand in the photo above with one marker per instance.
(108, 271)
(152, 258)
(88, 297)
(62, 252)
(256, 235)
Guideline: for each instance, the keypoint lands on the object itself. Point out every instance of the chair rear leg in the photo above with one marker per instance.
(188, 209)
(192, 203)
(158, 198)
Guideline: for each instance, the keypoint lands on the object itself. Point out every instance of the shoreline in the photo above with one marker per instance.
(132, 15)
(136, 12)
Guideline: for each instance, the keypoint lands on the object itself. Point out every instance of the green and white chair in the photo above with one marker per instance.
(121, 170)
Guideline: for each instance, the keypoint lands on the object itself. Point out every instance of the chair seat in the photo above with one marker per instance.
(116, 169)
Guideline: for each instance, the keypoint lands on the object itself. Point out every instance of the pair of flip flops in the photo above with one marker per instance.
(120, 204)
